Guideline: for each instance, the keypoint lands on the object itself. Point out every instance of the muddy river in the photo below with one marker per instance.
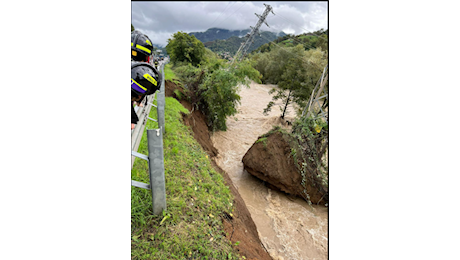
(288, 228)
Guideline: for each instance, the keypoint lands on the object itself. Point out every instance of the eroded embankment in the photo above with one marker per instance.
(272, 159)
(240, 228)
(288, 227)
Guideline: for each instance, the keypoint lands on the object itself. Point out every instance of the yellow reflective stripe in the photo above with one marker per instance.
(150, 78)
(142, 87)
(143, 48)
(131, 44)
(148, 42)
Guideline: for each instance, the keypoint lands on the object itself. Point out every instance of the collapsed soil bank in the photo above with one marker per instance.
(271, 160)
(239, 228)
(288, 227)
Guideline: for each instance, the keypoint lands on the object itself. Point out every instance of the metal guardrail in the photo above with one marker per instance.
(313, 107)
(155, 157)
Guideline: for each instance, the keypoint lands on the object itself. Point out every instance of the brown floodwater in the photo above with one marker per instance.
(289, 228)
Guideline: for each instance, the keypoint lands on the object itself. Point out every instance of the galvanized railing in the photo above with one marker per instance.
(313, 108)
(155, 157)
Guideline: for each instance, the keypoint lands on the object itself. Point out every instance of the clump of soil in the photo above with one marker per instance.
(271, 160)
(240, 227)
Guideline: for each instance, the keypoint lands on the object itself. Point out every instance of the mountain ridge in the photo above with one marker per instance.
(221, 40)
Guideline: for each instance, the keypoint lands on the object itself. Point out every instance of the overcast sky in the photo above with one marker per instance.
(159, 20)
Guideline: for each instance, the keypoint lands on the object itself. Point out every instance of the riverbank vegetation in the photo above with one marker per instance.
(211, 84)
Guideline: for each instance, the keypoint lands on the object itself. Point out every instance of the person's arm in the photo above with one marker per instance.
(139, 102)
(134, 117)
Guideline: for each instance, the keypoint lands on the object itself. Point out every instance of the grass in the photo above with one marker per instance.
(169, 74)
(196, 198)
(263, 139)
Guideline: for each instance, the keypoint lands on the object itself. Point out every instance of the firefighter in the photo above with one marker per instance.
(156, 63)
(145, 80)
(141, 50)
(141, 47)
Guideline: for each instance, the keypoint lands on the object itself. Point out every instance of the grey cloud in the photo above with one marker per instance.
(159, 20)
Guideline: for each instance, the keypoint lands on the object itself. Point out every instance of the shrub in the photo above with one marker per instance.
(213, 86)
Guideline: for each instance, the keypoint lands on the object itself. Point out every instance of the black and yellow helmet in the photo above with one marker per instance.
(145, 79)
(141, 46)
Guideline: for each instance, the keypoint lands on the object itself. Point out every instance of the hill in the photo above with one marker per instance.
(308, 40)
(213, 34)
(227, 42)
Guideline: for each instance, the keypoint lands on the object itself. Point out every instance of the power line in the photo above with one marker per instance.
(292, 22)
(221, 13)
(279, 46)
(232, 13)
(323, 89)
(299, 26)
(298, 42)
(250, 37)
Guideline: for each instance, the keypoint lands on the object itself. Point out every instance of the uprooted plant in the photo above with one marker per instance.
(213, 88)
(313, 138)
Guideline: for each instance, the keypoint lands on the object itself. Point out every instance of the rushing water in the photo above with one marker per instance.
(289, 228)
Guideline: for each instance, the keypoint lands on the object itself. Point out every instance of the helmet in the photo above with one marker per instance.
(141, 46)
(145, 79)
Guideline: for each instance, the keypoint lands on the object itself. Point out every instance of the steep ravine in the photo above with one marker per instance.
(266, 220)
(288, 227)
(240, 227)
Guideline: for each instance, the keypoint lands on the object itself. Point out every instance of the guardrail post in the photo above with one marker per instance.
(161, 103)
(156, 170)
(155, 157)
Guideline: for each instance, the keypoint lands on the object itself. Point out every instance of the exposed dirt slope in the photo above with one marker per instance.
(267, 161)
(240, 227)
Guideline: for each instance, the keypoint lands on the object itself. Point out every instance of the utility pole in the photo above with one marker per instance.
(250, 36)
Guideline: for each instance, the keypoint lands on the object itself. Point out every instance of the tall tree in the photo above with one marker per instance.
(185, 48)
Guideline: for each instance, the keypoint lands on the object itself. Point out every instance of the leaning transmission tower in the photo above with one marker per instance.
(250, 37)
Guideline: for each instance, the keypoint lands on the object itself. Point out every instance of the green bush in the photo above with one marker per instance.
(220, 91)
(213, 86)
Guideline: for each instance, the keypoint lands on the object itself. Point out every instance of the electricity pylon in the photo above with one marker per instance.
(250, 37)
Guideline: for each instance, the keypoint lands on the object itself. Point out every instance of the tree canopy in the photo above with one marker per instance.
(317, 39)
(294, 70)
(185, 48)
(213, 86)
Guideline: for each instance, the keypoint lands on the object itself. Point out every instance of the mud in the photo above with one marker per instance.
(288, 227)
(239, 228)
(271, 161)
(264, 220)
